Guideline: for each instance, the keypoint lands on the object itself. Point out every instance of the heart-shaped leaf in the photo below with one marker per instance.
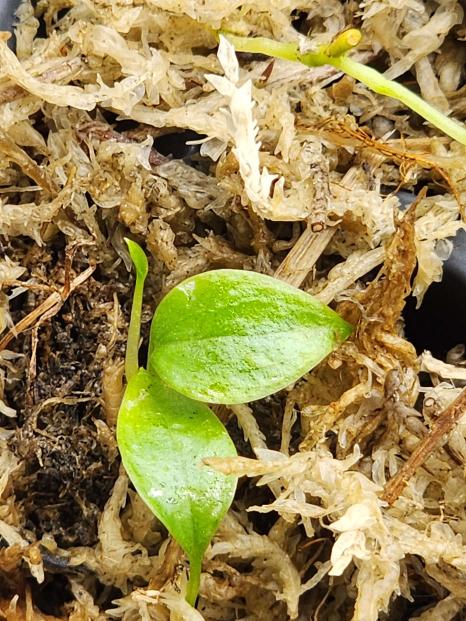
(163, 438)
(230, 336)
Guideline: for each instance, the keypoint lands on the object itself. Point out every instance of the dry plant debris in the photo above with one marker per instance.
(292, 172)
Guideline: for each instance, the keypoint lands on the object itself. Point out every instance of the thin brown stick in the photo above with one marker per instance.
(442, 426)
(49, 307)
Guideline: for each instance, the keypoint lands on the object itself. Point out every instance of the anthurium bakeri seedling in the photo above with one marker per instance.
(224, 336)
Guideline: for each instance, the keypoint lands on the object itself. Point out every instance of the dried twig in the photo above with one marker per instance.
(442, 426)
(303, 256)
(49, 307)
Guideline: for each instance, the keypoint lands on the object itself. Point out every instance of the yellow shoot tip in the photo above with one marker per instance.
(344, 42)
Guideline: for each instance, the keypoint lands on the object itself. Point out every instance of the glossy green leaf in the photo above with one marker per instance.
(231, 336)
(139, 259)
(163, 438)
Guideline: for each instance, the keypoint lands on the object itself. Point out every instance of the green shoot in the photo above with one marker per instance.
(139, 260)
(334, 55)
(226, 336)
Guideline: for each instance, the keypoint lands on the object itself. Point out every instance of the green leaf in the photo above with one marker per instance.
(138, 257)
(163, 438)
(230, 336)
(139, 260)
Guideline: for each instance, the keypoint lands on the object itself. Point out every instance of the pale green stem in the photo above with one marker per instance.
(262, 45)
(368, 76)
(379, 84)
(344, 42)
(192, 589)
(132, 345)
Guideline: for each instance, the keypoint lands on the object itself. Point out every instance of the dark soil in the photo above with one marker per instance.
(66, 474)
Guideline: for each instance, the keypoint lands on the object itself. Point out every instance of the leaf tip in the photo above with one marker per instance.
(138, 257)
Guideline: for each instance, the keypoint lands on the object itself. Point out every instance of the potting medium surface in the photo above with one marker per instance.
(135, 120)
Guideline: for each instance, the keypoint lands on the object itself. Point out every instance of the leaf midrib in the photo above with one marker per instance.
(252, 334)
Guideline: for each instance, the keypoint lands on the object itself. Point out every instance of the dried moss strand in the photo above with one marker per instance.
(443, 425)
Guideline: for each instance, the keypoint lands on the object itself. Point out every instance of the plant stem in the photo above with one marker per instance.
(379, 84)
(442, 426)
(344, 42)
(132, 345)
(194, 581)
(262, 45)
(368, 76)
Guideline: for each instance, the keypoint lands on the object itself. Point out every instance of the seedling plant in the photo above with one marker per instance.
(226, 337)
(335, 54)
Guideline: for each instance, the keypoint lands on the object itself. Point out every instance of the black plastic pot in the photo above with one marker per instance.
(439, 324)
(7, 10)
